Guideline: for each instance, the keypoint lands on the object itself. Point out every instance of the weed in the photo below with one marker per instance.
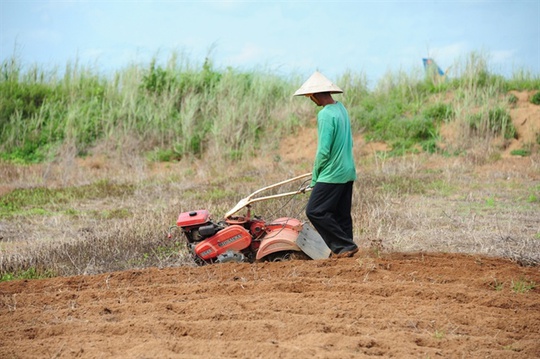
(30, 273)
(490, 202)
(377, 247)
(441, 187)
(174, 107)
(496, 285)
(523, 80)
(439, 334)
(521, 152)
(522, 285)
(512, 99)
(533, 198)
(164, 155)
(511, 347)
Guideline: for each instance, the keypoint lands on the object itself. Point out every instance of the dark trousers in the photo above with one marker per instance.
(329, 210)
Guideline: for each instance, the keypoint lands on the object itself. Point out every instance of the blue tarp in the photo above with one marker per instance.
(429, 64)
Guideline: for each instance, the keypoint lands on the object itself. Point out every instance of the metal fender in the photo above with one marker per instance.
(281, 236)
(234, 238)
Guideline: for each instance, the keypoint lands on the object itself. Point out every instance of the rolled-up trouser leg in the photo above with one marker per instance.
(329, 210)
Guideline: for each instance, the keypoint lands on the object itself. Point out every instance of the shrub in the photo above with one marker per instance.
(440, 112)
(535, 99)
(512, 99)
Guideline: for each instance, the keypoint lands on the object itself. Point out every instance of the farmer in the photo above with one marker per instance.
(334, 172)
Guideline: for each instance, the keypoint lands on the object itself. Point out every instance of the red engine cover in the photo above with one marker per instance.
(193, 218)
(234, 237)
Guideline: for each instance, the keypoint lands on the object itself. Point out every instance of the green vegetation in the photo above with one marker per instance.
(439, 334)
(536, 98)
(496, 285)
(18, 200)
(177, 109)
(172, 111)
(523, 285)
(30, 273)
(496, 121)
(519, 286)
(521, 152)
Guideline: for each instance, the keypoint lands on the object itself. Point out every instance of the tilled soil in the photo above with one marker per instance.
(414, 305)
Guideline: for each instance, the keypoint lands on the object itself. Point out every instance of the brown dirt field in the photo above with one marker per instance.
(414, 305)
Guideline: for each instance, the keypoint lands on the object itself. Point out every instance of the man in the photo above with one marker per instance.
(334, 172)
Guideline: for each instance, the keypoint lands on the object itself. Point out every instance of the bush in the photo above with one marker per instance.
(535, 99)
(440, 112)
(512, 99)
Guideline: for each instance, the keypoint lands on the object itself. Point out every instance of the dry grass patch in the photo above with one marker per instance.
(416, 203)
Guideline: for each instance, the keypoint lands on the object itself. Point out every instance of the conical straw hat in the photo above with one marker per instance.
(317, 83)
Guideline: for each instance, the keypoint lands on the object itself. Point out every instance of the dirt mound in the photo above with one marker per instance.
(526, 117)
(397, 305)
(524, 114)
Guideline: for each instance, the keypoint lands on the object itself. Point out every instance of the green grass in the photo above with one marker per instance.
(441, 187)
(40, 200)
(521, 152)
(493, 121)
(523, 285)
(178, 109)
(535, 99)
(497, 285)
(30, 273)
(490, 202)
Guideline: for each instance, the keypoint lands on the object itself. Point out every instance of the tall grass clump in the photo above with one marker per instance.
(494, 121)
(26, 97)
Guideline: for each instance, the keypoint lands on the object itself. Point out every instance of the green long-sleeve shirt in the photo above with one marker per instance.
(334, 161)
